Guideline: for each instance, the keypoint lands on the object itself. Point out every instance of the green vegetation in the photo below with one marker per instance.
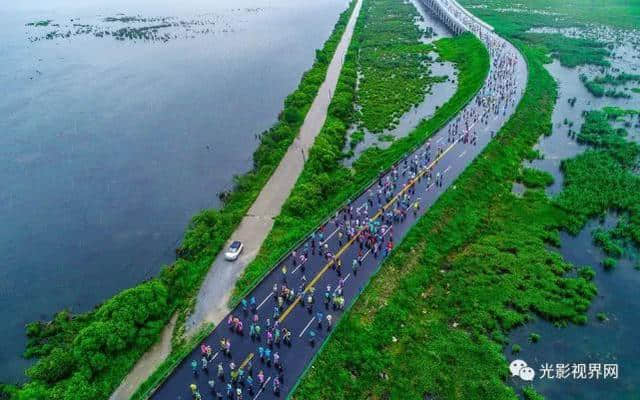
(594, 88)
(609, 263)
(516, 348)
(530, 393)
(597, 85)
(44, 22)
(587, 273)
(356, 137)
(513, 20)
(602, 179)
(619, 13)
(571, 52)
(597, 131)
(602, 317)
(534, 178)
(325, 184)
(597, 88)
(392, 62)
(86, 356)
(616, 80)
(609, 244)
(386, 138)
(534, 337)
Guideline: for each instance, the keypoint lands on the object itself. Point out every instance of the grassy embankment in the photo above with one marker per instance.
(325, 183)
(86, 356)
(434, 320)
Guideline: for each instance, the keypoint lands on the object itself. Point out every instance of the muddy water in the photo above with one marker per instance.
(615, 340)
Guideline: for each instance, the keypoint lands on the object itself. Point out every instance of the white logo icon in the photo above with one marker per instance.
(520, 368)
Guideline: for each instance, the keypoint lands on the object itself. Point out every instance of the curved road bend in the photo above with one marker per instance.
(447, 154)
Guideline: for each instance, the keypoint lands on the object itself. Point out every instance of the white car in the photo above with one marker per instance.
(234, 251)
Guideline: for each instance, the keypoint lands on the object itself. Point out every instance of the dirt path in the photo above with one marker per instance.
(147, 363)
(215, 292)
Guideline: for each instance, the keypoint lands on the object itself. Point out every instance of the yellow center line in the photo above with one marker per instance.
(246, 360)
(324, 269)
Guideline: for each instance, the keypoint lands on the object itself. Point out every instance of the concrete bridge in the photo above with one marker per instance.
(455, 17)
(443, 14)
(463, 15)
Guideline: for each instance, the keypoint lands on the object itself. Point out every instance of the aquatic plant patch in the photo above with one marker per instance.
(123, 27)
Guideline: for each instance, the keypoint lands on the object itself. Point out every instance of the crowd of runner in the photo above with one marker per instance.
(367, 227)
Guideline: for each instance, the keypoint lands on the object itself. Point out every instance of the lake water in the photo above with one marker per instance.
(108, 147)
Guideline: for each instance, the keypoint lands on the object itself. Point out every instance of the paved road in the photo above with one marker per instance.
(415, 179)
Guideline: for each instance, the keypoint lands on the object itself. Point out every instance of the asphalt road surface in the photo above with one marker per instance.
(444, 158)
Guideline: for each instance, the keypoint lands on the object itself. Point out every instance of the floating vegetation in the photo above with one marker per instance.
(610, 68)
(617, 80)
(45, 22)
(598, 85)
(356, 137)
(527, 11)
(534, 178)
(159, 29)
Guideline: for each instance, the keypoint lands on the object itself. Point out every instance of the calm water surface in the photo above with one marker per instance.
(108, 147)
